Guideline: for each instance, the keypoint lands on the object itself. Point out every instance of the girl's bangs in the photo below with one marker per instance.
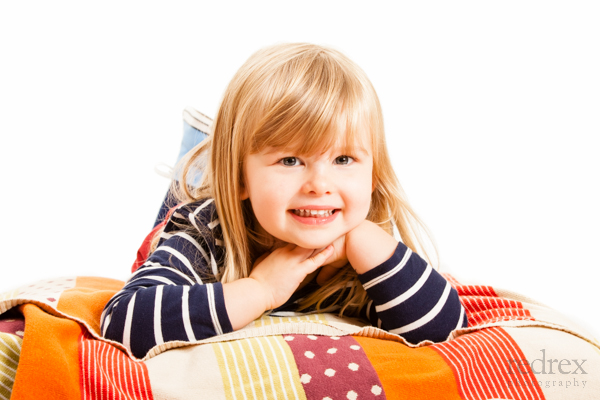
(316, 124)
(338, 134)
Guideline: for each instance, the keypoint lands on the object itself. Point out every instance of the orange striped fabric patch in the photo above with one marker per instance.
(485, 310)
(483, 363)
(107, 373)
(484, 306)
(474, 290)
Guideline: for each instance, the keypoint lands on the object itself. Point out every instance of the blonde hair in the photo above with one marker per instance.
(294, 96)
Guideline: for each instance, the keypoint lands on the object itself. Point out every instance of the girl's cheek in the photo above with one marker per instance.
(364, 189)
(362, 184)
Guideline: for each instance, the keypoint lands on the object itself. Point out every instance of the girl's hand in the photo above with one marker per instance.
(281, 272)
(335, 262)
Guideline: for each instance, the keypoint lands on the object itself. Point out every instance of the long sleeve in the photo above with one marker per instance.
(411, 299)
(174, 294)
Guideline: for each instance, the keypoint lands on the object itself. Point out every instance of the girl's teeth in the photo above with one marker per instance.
(313, 213)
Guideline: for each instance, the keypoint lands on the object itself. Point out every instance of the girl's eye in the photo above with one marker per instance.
(289, 161)
(344, 160)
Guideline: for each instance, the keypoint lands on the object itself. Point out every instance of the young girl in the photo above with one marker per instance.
(295, 212)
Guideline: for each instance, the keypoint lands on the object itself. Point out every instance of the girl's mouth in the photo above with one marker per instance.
(313, 213)
(314, 217)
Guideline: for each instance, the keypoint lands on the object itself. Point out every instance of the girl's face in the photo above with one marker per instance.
(309, 200)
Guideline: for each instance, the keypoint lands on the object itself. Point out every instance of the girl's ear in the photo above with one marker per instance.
(243, 193)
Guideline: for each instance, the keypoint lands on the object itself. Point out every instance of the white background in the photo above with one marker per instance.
(491, 110)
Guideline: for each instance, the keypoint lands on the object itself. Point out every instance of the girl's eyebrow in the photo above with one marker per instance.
(351, 149)
(360, 150)
(274, 150)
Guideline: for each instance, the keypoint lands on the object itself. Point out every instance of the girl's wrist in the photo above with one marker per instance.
(262, 294)
(368, 246)
(245, 300)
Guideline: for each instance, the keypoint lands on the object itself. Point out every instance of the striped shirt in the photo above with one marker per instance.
(174, 295)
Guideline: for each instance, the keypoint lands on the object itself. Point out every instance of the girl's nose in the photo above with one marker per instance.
(318, 182)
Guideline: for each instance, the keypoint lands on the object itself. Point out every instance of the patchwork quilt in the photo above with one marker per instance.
(513, 348)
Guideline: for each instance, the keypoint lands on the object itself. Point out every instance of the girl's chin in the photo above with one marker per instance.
(313, 244)
(309, 242)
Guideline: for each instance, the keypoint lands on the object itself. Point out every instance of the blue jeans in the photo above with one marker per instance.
(191, 137)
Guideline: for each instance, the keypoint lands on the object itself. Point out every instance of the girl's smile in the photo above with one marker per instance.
(315, 215)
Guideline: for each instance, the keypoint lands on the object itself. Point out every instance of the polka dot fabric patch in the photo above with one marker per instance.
(46, 291)
(14, 326)
(333, 368)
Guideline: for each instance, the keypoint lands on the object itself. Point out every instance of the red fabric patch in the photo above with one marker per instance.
(484, 364)
(107, 373)
(144, 250)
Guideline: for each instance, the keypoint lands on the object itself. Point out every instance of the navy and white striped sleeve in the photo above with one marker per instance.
(411, 299)
(174, 295)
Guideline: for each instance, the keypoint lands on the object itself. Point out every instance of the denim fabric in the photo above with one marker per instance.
(191, 137)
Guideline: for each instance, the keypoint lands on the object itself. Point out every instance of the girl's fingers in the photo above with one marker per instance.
(310, 258)
(316, 260)
(304, 253)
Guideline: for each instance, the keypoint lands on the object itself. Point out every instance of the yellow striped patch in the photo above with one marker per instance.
(258, 368)
(269, 320)
(10, 352)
